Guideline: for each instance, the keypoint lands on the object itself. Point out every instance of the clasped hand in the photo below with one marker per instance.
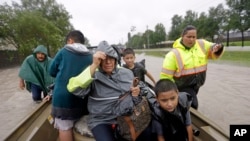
(217, 47)
(135, 91)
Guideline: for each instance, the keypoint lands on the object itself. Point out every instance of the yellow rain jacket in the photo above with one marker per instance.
(187, 67)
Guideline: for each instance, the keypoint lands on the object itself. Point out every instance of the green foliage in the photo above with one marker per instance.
(239, 15)
(147, 39)
(31, 23)
(209, 25)
(159, 34)
(238, 43)
(240, 58)
(176, 27)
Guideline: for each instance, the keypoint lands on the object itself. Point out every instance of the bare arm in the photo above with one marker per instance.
(21, 84)
(190, 133)
(160, 138)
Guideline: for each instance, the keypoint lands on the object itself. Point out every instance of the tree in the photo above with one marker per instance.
(239, 15)
(37, 31)
(6, 12)
(136, 41)
(202, 25)
(159, 33)
(34, 22)
(51, 10)
(176, 27)
(148, 37)
(190, 18)
(215, 21)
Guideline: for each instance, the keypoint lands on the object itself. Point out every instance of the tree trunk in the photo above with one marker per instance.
(242, 38)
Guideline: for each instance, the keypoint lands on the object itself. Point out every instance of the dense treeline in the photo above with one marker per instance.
(30, 23)
(34, 22)
(211, 25)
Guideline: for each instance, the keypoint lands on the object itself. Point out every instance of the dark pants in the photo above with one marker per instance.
(146, 135)
(193, 92)
(103, 132)
(37, 92)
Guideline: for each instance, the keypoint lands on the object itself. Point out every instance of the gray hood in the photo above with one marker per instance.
(77, 48)
(109, 50)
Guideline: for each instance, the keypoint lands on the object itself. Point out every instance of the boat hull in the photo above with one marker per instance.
(36, 127)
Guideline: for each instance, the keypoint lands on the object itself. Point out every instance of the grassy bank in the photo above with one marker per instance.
(238, 43)
(239, 58)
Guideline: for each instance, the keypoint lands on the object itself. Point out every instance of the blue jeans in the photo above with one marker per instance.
(37, 92)
(103, 132)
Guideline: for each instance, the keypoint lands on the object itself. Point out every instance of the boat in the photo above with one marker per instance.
(37, 126)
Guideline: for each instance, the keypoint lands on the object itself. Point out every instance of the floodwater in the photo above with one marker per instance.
(224, 98)
(15, 104)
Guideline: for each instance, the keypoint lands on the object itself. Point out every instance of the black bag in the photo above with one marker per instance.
(132, 122)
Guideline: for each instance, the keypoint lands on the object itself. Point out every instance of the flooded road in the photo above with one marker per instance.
(224, 98)
(15, 104)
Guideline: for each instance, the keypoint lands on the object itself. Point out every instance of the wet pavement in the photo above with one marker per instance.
(224, 98)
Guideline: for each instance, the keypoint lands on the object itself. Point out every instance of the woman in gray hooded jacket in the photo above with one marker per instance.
(104, 81)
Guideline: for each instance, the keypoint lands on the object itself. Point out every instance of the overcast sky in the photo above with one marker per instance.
(111, 20)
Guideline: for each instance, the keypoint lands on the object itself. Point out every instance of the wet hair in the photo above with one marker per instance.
(128, 51)
(164, 85)
(187, 28)
(76, 35)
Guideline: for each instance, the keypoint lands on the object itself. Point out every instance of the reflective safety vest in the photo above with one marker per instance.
(187, 67)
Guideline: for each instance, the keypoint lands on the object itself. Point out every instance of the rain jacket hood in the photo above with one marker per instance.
(42, 49)
(77, 48)
(178, 44)
(109, 50)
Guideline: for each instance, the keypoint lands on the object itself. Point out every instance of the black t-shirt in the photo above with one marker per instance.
(138, 71)
(168, 129)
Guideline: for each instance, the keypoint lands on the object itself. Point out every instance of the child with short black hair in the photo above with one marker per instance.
(137, 68)
(171, 117)
(68, 62)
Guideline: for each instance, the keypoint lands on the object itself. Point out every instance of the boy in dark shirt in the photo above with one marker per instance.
(171, 116)
(137, 68)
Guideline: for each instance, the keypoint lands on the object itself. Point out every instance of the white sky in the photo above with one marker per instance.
(111, 20)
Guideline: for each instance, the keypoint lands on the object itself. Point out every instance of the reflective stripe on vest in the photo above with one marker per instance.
(182, 71)
(201, 45)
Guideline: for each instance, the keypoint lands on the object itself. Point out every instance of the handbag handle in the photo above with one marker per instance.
(136, 81)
